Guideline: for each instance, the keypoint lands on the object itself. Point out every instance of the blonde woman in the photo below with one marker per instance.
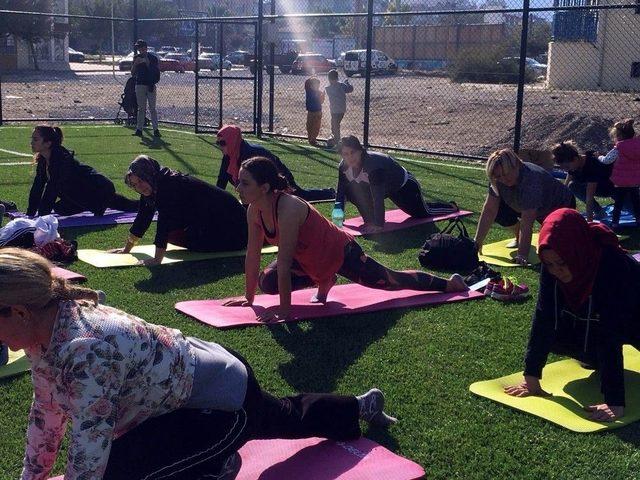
(143, 400)
(519, 194)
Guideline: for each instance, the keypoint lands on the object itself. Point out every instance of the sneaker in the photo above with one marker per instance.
(372, 409)
(102, 297)
(137, 133)
(491, 286)
(156, 133)
(8, 206)
(230, 467)
(509, 291)
(512, 244)
(480, 273)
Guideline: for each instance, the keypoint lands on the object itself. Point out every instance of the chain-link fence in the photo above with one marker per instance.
(459, 77)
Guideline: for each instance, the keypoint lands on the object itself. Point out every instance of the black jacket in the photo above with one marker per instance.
(68, 179)
(247, 151)
(595, 334)
(182, 202)
(144, 74)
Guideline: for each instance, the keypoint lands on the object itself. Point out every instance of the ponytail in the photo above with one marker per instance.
(622, 130)
(49, 134)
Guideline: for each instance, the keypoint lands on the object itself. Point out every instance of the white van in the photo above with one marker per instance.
(355, 61)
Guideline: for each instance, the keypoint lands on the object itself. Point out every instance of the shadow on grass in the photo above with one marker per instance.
(185, 275)
(324, 350)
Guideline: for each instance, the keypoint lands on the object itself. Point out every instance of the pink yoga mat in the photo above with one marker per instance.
(343, 300)
(68, 275)
(398, 220)
(320, 459)
(636, 257)
(88, 219)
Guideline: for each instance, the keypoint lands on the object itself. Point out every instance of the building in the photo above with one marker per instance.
(595, 49)
(50, 54)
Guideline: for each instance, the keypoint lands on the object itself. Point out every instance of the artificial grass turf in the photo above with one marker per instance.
(423, 359)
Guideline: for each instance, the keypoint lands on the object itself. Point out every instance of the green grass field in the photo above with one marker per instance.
(423, 359)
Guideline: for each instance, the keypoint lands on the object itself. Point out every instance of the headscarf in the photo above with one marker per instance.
(232, 135)
(579, 244)
(146, 169)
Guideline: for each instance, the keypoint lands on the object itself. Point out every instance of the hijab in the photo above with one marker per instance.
(579, 244)
(232, 136)
(146, 169)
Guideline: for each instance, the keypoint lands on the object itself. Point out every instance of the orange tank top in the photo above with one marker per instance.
(320, 246)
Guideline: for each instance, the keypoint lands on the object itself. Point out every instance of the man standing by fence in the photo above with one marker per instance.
(337, 94)
(146, 69)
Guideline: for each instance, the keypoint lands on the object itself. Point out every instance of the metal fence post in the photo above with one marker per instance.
(367, 81)
(272, 71)
(0, 100)
(135, 21)
(259, 66)
(197, 77)
(517, 131)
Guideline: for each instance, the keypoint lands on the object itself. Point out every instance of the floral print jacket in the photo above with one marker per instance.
(105, 371)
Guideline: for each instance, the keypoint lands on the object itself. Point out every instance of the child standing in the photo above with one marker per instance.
(626, 169)
(336, 91)
(314, 101)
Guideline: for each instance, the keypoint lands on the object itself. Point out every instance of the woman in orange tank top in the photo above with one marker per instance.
(311, 250)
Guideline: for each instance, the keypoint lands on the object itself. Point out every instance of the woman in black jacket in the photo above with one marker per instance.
(366, 178)
(588, 307)
(235, 150)
(59, 176)
(191, 213)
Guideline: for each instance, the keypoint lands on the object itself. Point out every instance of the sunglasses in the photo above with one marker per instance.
(221, 143)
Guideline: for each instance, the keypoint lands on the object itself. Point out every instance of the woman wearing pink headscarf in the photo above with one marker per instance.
(588, 307)
(235, 150)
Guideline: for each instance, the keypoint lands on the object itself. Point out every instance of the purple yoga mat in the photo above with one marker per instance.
(88, 219)
(320, 459)
(343, 300)
(398, 220)
(68, 275)
(636, 257)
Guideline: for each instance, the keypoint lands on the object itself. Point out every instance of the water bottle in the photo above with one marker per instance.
(337, 216)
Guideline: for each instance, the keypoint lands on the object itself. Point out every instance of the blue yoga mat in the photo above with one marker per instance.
(627, 219)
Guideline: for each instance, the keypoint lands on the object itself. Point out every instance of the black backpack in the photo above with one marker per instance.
(154, 70)
(446, 251)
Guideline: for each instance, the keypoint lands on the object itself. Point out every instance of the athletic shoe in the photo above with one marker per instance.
(230, 467)
(508, 291)
(102, 297)
(480, 273)
(137, 133)
(372, 409)
(156, 133)
(9, 206)
(512, 244)
(491, 286)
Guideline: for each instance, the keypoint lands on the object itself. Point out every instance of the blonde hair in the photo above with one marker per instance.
(506, 158)
(622, 130)
(26, 279)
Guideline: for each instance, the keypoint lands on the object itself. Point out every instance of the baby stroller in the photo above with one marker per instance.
(129, 104)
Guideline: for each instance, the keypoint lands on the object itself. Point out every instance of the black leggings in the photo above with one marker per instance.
(68, 206)
(359, 268)
(189, 444)
(409, 199)
(619, 196)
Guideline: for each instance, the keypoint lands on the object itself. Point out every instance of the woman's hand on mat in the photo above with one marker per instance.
(237, 302)
(273, 314)
(119, 250)
(530, 386)
(604, 412)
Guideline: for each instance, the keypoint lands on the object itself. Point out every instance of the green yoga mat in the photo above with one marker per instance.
(103, 259)
(18, 363)
(572, 388)
(498, 253)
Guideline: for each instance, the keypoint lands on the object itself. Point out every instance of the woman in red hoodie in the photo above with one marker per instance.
(626, 169)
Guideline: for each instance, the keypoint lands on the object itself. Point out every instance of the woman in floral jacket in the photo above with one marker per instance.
(143, 400)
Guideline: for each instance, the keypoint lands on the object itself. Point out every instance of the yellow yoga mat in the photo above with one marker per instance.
(103, 259)
(18, 363)
(498, 253)
(572, 388)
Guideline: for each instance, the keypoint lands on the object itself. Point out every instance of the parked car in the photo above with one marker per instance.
(75, 56)
(355, 61)
(186, 63)
(312, 63)
(340, 60)
(240, 57)
(211, 61)
(164, 50)
(531, 65)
